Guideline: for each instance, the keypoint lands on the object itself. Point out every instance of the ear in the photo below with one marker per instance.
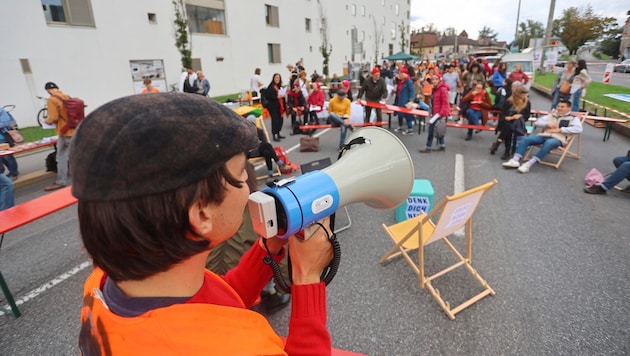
(200, 217)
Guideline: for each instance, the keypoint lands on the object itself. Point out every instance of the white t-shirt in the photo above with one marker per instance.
(254, 83)
(191, 80)
(451, 79)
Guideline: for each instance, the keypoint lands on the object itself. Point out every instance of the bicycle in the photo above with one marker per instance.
(42, 114)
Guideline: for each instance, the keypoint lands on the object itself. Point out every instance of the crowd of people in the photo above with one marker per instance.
(152, 235)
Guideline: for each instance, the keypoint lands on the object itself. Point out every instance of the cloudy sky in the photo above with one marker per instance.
(500, 15)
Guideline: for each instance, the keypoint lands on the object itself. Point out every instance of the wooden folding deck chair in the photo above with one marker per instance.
(455, 212)
(260, 161)
(561, 152)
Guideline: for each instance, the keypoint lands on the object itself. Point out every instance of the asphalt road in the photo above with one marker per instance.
(556, 257)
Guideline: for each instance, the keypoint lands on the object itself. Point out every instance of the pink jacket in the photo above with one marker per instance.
(440, 100)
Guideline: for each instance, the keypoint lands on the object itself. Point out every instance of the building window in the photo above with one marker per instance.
(362, 10)
(383, 2)
(397, 11)
(307, 24)
(393, 30)
(70, 12)
(273, 52)
(271, 16)
(362, 37)
(152, 17)
(383, 20)
(209, 18)
(353, 9)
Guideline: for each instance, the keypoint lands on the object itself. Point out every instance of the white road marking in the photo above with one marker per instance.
(37, 291)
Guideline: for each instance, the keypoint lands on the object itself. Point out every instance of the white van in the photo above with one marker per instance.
(526, 60)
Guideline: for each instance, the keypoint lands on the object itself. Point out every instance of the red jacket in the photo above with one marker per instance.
(519, 77)
(440, 100)
(317, 99)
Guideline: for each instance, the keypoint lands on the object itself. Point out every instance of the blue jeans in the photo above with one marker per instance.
(11, 164)
(336, 120)
(474, 117)
(575, 100)
(548, 144)
(430, 135)
(407, 117)
(7, 199)
(622, 172)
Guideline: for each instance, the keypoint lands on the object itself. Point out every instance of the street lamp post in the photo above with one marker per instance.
(552, 6)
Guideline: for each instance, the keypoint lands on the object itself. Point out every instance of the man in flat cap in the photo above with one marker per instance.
(160, 181)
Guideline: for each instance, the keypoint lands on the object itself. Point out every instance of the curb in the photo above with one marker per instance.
(617, 127)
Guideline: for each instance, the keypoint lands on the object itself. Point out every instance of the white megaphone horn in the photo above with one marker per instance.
(378, 172)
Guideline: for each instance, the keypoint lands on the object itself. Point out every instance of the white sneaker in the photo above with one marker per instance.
(397, 129)
(408, 132)
(524, 168)
(511, 164)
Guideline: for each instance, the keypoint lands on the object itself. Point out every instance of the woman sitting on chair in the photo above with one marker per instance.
(515, 113)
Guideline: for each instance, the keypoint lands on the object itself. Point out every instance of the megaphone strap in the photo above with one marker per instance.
(327, 274)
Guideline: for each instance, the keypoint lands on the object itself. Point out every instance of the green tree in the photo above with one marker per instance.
(181, 33)
(488, 33)
(610, 44)
(528, 30)
(326, 48)
(450, 31)
(378, 35)
(404, 34)
(576, 27)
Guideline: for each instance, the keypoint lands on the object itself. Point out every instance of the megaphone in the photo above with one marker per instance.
(378, 171)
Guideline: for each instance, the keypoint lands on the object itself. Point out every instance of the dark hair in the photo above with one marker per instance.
(581, 64)
(474, 65)
(502, 68)
(136, 238)
(566, 101)
(257, 71)
(272, 84)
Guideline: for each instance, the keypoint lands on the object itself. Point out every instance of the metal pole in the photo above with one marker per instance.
(552, 6)
(518, 15)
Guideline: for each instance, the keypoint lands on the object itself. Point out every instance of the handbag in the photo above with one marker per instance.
(593, 178)
(440, 128)
(565, 87)
(309, 144)
(16, 136)
(12, 137)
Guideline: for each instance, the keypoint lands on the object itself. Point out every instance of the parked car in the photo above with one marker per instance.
(623, 67)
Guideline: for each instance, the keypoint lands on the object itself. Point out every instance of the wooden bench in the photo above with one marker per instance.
(473, 127)
(23, 214)
(30, 146)
(329, 126)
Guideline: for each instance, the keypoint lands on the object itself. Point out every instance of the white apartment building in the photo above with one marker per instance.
(99, 50)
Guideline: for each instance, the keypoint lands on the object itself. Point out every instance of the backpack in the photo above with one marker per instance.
(75, 108)
(51, 162)
(263, 98)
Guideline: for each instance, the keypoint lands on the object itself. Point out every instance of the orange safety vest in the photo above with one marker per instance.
(180, 329)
